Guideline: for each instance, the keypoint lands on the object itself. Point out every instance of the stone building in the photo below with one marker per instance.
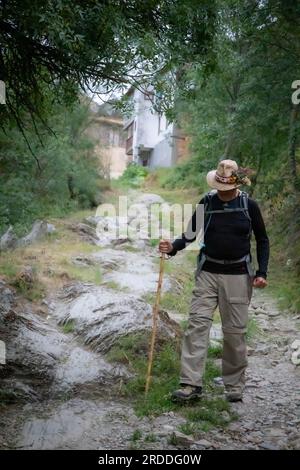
(106, 130)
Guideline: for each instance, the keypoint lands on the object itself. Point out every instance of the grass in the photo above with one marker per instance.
(182, 276)
(155, 183)
(130, 248)
(132, 350)
(69, 327)
(7, 267)
(81, 273)
(28, 285)
(284, 270)
(253, 330)
(115, 286)
(50, 259)
(215, 351)
(136, 435)
(33, 293)
(154, 242)
(206, 415)
(151, 437)
(112, 285)
(285, 286)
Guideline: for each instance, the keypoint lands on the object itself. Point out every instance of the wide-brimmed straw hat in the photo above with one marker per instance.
(227, 176)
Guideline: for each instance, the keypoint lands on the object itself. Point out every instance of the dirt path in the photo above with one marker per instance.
(57, 363)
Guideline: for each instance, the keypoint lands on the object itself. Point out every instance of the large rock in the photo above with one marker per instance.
(42, 357)
(295, 346)
(38, 231)
(86, 231)
(130, 271)
(109, 229)
(93, 220)
(51, 228)
(133, 226)
(8, 240)
(181, 440)
(296, 357)
(101, 316)
(7, 299)
(148, 199)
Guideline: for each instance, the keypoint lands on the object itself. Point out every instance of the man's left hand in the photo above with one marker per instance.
(260, 282)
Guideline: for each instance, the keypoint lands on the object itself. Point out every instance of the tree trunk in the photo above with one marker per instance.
(293, 143)
(71, 187)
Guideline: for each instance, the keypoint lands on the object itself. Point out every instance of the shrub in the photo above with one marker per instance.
(134, 175)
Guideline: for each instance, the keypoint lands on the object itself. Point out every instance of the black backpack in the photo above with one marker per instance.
(209, 211)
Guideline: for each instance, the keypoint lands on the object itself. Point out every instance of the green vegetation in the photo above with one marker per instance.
(178, 299)
(253, 330)
(154, 242)
(184, 176)
(8, 268)
(50, 260)
(133, 176)
(82, 273)
(62, 176)
(206, 415)
(132, 350)
(215, 351)
(233, 99)
(156, 182)
(136, 435)
(72, 45)
(69, 326)
(28, 284)
(151, 437)
(244, 112)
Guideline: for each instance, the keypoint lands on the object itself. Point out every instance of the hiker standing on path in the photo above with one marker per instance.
(223, 278)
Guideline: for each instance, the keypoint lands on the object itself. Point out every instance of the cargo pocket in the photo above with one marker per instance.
(236, 315)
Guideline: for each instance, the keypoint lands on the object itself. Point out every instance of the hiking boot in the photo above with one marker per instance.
(186, 393)
(233, 395)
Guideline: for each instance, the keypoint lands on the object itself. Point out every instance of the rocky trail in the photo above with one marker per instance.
(67, 391)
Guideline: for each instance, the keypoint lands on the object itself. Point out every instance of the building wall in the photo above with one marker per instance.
(109, 137)
(161, 155)
(114, 160)
(149, 131)
(153, 139)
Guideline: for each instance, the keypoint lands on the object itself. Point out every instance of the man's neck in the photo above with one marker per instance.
(228, 195)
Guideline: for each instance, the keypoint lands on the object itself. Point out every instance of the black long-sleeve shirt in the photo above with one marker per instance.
(227, 237)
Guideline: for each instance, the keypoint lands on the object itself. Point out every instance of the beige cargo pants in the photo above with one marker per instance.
(232, 293)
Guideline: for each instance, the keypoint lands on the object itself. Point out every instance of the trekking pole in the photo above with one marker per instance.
(154, 323)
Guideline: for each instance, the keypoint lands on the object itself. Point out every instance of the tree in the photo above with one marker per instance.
(63, 45)
(244, 109)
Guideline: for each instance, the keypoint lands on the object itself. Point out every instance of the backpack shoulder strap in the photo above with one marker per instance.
(208, 200)
(244, 203)
(244, 199)
(208, 207)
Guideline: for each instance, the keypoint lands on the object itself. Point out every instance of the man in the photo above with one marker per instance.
(223, 278)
